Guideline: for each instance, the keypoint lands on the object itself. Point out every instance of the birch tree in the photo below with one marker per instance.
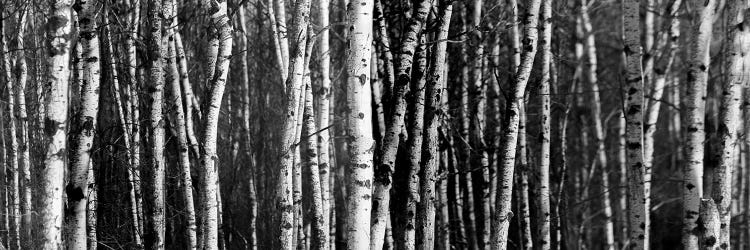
(738, 44)
(154, 234)
(638, 213)
(543, 172)
(55, 123)
(359, 120)
(395, 111)
(502, 216)
(83, 127)
(695, 104)
(12, 152)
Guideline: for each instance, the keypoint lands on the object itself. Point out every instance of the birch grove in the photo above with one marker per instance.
(371, 124)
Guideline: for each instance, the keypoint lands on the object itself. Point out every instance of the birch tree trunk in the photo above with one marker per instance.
(247, 104)
(24, 156)
(502, 216)
(173, 78)
(395, 111)
(708, 222)
(425, 225)
(132, 118)
(524, 221)
(209, 165)
(55, 123)
(324, 108)
(359, 120)
(83, 127)
(738, 43)
(153, 234)
(543, 172)
(319, 230)
(599, 130)
(14, 219)
(695, 104)
(294, 83)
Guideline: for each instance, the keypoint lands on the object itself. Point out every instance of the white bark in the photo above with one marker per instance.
(83, 128)
(55, 123)
(359, 124)
(695, 105)
(14, 213)
(324, 108)
(502, 216)
(543, 172)
(708, 222)
(209, 165)
(24, 157)
(737, 47)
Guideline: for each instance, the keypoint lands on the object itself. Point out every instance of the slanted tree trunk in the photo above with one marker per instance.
(425, 224)
(154, 227)
(359, 120)
(599, 127)
(173, 78)
(502, 216)
(695, 104)
(543, 172)
(738, 44)
(83, 127)
(294, 84)
(395, 111)
(209, 165)
(132, 118)
(55, 123)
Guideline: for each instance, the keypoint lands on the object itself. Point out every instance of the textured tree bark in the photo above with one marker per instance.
(132, 118)
(55, 123)
(502, 216)
(324, 109)
(738, 43)
(173, 78)
(395, 112)
(523, 182)
(695, 105)
(14, 213)
(599, 130)
(91, 208)
(83, 127)
(708, 222)
(426, 207)
(294, 83)
(543, 172)
(359, 119)
(208, 162)
(24, 156)
(637, 200)
(154, 234)
(385, 54)
(319, 230)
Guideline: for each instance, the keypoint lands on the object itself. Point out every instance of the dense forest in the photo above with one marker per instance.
(374, 124)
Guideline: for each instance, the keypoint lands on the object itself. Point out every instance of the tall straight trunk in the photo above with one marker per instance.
(466, 183)
(637, 201)
(132, 116)
(175, 100)
(478, 93)
(395, 112)
(543, 171)
(153, 234)
(24, 156)
(359, 120)
(55, 123)
(730, 114)
(319, 230)
(3, 180)
(294, 83)
(281, 58)
(599, 127)
(247, 94)
(695, 104)
(502, 216)
(324, 108)
(425, 225)
(522, 181)
(12, 152)
(83, 127)
(208, 163)
(283, 36)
